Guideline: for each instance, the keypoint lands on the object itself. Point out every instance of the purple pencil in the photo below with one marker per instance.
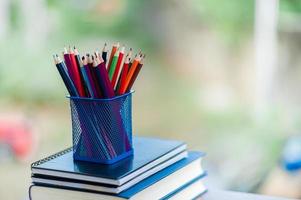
(103, 78)
(108, 91)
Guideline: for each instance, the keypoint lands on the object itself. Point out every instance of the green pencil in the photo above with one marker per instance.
(113, 65)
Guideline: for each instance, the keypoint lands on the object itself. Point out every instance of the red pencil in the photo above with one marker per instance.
(117, 68)
(76, 74)
(124, 72)
(78, 66)
(68, 64)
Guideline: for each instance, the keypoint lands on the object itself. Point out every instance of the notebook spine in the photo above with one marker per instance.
(39, 162)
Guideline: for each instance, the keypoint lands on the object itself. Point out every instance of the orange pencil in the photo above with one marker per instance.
(134, 77)
(130, 74)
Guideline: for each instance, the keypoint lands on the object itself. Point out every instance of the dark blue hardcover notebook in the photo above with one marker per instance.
(186, 185)
(192, 156)
(139, 187)
(148, 152)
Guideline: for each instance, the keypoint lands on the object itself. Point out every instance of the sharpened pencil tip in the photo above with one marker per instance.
(54, 59)
(100, 59)
(104, 49)
(71, 50)
(140, 52)
(76, 51)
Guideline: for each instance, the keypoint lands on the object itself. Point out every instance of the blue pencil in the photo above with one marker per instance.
(61, 67)
(83, 69)
(104, 53)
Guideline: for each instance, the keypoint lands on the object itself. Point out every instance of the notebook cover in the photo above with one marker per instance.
(173, 193)
(192, 156)
(146, 150)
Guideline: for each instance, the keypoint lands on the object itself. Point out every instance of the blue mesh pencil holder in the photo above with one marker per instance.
(102, 128)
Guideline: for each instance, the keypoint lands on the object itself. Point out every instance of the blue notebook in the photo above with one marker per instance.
(192, 156)
(162, 185)
(148, 153)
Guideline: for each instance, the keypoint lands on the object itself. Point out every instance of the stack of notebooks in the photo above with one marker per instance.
(159, 169)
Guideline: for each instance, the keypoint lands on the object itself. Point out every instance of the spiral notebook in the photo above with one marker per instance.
(149, 153)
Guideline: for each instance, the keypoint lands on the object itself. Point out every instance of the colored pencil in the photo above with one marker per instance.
(114, 49)
(68, 64)
(130, 74)
(79, 65)
(98, 92)
(131, 61)
(104, 53)
(117, 68)
(113, 65)
(134, 77)
(76, 74)
(123, 73)
(61, 67)
(103, 78)
(87, 77)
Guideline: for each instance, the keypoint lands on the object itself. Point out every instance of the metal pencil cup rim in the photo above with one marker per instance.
(102, 128)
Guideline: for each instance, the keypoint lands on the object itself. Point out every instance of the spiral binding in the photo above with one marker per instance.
(39, 162)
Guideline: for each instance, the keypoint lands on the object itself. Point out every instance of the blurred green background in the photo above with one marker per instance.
(202, 82)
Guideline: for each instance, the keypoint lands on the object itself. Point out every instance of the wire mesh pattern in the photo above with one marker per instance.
(102, 128)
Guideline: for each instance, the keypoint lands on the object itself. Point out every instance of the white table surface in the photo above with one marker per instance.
(229, 195)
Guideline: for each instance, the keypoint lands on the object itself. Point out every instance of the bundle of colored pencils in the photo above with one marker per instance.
(95, 76)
